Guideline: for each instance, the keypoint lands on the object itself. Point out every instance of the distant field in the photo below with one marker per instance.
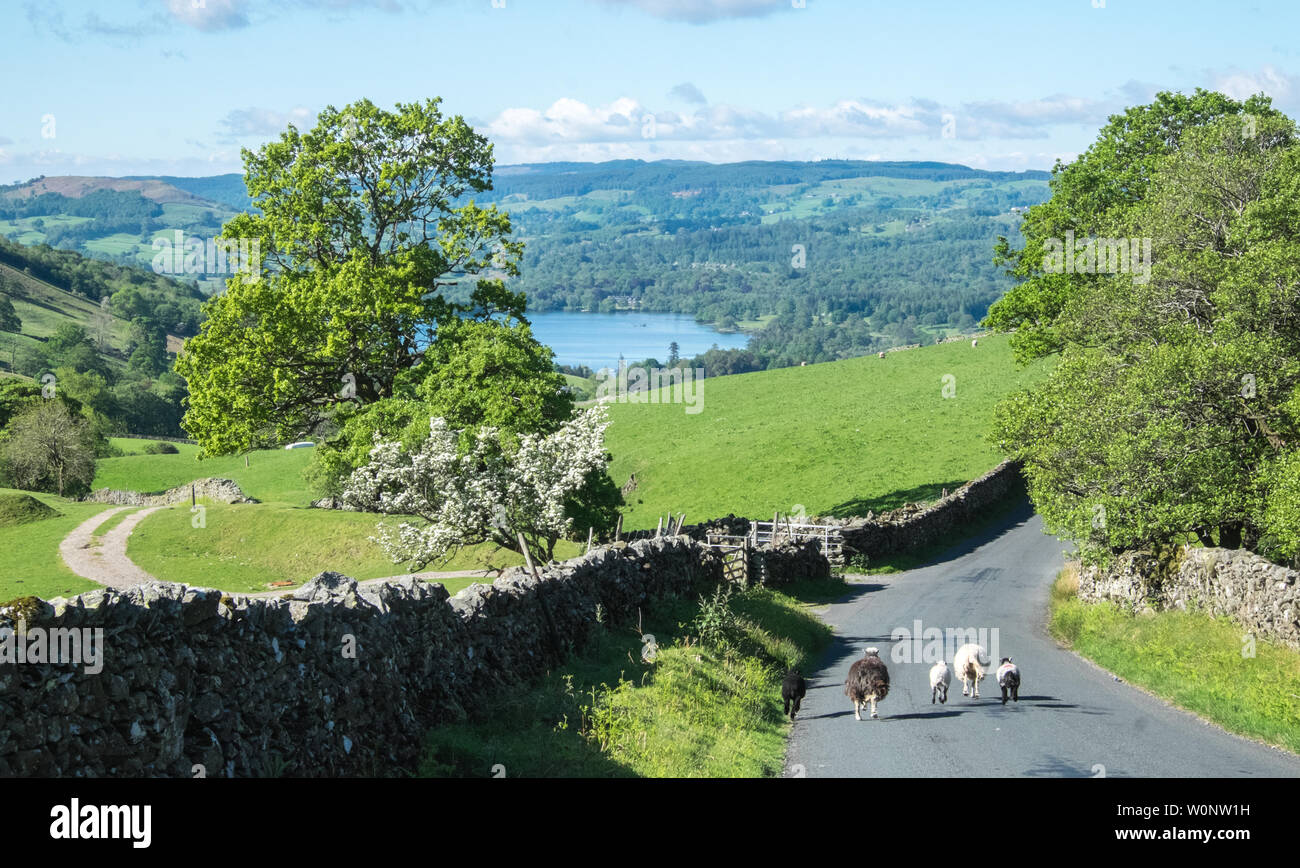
(272, 475)
(839, 438)
(43, 308)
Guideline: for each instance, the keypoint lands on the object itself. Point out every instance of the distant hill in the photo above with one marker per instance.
(831, 258)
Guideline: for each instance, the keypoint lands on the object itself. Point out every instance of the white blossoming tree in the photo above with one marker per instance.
(488, 492)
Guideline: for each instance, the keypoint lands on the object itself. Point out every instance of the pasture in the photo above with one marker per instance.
(839, 438)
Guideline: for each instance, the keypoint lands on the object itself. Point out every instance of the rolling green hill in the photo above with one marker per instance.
(839, 438)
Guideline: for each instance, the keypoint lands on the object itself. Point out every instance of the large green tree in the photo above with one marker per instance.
(367, 244)
(1095, 195)
(1174, 410)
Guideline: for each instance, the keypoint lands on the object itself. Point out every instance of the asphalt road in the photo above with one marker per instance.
(1073, 719)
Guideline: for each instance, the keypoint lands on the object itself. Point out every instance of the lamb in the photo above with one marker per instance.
(940, 677)
(868, 682)
(969, 664)
(1009, 680)
(793, 689)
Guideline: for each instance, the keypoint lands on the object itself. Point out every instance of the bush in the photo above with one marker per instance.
(161, 448)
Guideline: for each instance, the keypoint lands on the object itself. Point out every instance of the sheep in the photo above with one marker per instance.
(975, 342)
(940, 677)
(969, 665)
(1009, 680)
(868, 681)
(793, 689)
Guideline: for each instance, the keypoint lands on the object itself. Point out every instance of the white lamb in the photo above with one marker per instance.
(940, 678)
(969, 664)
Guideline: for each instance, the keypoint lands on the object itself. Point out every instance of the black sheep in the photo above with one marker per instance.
(1009, 680)
(793, 689)
(868, 682)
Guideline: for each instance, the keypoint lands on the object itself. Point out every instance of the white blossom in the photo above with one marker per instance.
(490, 491)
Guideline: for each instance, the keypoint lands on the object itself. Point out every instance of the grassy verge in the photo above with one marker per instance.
(245, 547)
(29, 550)
(1195, 661)
(706, 707)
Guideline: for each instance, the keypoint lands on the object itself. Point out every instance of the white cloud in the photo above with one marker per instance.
(627, 120)
(210, 15)
(1240, 84)
(264, 122)
(703, 11)
(688, 92)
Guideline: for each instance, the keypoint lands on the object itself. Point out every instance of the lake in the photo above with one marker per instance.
(596, 339)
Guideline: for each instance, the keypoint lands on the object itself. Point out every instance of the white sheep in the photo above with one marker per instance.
(940, 677)
(969, 664)
(975, 342)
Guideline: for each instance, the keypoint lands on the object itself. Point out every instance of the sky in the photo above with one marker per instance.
(179, 87)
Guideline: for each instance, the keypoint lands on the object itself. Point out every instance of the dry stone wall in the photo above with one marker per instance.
(332, 679)
(213, 488)
(1256, 593)
(913, 526)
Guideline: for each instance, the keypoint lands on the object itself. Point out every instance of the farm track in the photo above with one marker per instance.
(104, 560)
(1073, 719)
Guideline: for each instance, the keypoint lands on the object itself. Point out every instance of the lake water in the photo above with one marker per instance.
(596, 339)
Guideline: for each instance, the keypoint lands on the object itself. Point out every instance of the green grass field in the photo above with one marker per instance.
(29, 551)
(838, 438)
(272, 475)
(246, 547)
(1191, 659)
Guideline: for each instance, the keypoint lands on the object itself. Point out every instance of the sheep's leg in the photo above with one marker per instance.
(857, 713)
(873, 708)
(1015, 693)
(964, 685)
(934, 694)
(1004, 696)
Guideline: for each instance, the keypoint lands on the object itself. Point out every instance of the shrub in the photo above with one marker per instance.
(161, 448)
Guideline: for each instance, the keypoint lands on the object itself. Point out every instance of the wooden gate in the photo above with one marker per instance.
(735, 557)
(785, 529)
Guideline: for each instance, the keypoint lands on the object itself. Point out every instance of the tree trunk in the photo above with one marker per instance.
(1230, 535)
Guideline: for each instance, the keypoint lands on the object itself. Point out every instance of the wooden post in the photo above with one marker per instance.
(590, 531)
(192, 500)
(618, 528)
(659, 531)
(775, 517)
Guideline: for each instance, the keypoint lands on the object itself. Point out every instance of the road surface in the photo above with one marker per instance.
(1073, 719)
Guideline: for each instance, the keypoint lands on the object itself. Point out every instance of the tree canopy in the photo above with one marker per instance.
(362, 235)
(1174, 411)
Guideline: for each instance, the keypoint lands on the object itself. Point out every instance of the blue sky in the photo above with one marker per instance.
(121, 87)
